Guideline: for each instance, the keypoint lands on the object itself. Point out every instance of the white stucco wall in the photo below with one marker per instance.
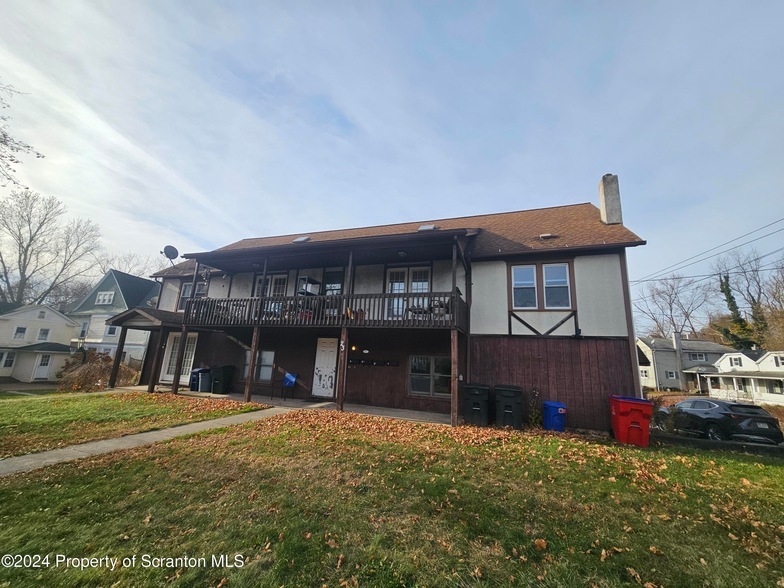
(170, 293)
(489, 307)
(218, 287)
(368, 279)
(242, 285)
(599, 288)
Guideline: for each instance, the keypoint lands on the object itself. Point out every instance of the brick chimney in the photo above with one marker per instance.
(610, 200)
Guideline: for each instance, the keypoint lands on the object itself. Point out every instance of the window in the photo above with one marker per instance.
(333, 282)
(556, 286)
(9, 359)
(672, 375)
(736, 361)
(778, 360)
(111, 331)
(43, 334)
(644, 373)
(20, 333)
(187, 288)
(524, 286)
(407, 280)
(265, 363)
(697, 356)
(41, 314)
(274, 285)
(430, 375)
(104, 298)
(85, 327)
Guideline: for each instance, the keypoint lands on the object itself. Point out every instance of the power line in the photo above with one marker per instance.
(773, 266)
(717, 247)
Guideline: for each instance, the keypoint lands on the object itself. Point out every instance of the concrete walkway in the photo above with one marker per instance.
(34, 461)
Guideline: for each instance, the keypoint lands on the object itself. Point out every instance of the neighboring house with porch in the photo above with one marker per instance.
(34, 342)
(115, 292)
(750, 375)
(402, 315)
(676, 363)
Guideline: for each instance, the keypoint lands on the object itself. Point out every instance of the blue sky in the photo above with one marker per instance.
(199, 123)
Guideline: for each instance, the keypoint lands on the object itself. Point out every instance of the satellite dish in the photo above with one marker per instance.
(171, 253)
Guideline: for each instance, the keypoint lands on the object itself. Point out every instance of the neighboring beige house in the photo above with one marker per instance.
(677, 363)
(750, 376)
(403, 315)
(34, 342)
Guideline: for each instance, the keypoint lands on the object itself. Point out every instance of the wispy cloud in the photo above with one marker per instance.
(198, 124)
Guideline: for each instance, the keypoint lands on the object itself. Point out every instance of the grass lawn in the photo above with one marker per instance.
(28, 394)
(316, 498)
(29, 425)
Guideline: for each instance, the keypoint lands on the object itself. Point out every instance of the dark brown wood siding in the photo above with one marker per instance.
(379, 385)
(581, 373)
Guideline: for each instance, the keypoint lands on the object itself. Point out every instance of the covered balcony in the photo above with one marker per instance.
(434, 310)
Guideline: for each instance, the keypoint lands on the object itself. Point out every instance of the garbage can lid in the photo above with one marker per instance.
(554, 404)
(629, 399)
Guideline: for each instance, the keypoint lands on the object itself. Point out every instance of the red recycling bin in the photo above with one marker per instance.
(631, 419)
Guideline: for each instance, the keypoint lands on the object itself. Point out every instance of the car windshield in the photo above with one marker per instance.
(749, 409)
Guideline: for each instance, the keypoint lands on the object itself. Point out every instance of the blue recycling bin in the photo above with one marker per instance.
(554, 416)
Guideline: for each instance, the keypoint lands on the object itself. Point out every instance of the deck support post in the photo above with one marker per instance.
(157, 359)
(254, 352)
(342, 367)
(118, 357)
(453, 380)
(180, 359)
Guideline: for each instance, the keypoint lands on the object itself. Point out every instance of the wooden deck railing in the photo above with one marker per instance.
(420, 310)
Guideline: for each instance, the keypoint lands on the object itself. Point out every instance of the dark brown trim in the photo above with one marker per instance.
(342, 367)
(254, 351)
(180, 359)
(630, 324)
(454, 352)
(157, 362)
(118, 357)
(538, 266)
(512, 315)
(561, 322)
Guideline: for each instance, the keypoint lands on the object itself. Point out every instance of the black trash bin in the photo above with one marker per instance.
(509, 406)
(221, 378)
(194, 383)
(205, 380)
(476, 404)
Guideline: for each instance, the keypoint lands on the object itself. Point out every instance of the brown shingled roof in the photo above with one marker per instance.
(573, 226)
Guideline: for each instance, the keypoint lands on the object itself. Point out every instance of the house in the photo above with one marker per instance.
(403, 315)
(115, 292)
(750, 376)
(34, 342)
(677, 363)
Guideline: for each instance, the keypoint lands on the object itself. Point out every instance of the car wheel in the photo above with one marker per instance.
(714, 433)
(661, 424)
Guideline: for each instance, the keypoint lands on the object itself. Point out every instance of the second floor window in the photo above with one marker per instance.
(104, 298)
(524, 286)
(187, 289)
(644, 373)
(736, 362)
(672, 376)
(556, 286)
(697, 356)
(43, 334)
(20, 333)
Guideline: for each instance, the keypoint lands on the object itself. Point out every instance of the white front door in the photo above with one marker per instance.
(170, 358)
(42, 369)
(325, 372)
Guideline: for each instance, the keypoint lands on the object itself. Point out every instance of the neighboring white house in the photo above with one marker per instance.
(114, 293)
(751, 376)
(677, 363)
(34, 342)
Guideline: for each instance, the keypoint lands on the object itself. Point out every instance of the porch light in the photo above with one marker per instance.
(353, 348)
(366, 351)
(402, 254)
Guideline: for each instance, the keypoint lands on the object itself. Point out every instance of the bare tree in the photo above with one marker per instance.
(42, 253)
(131, 263)
(674, 303)
(10, 146)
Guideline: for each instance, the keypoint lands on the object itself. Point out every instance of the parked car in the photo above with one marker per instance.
(719, 420)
